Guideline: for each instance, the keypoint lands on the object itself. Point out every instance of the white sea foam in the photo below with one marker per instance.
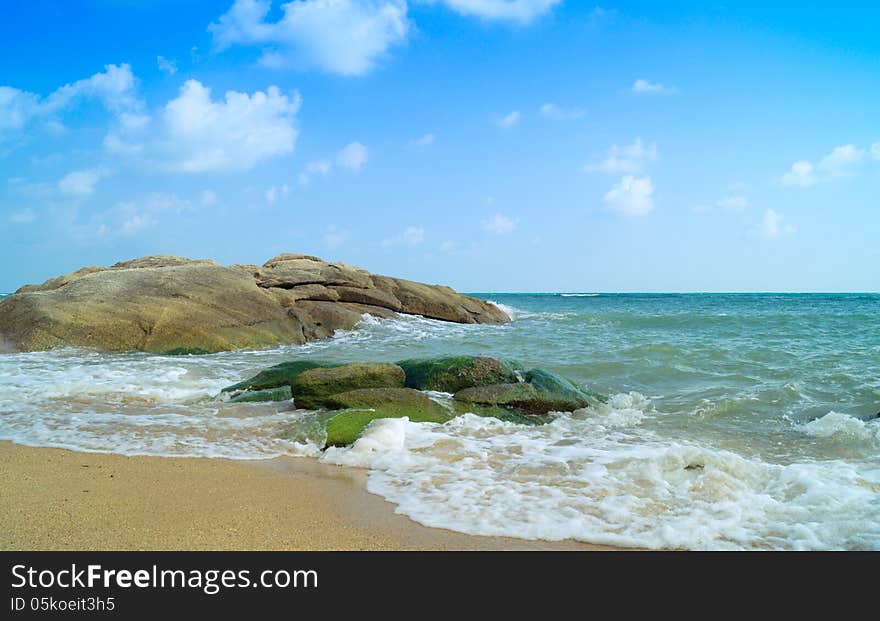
(513, 313)
(843, 427)
(579, 295)
(597, 476)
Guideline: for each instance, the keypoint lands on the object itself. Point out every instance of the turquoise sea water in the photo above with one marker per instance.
(736, 421)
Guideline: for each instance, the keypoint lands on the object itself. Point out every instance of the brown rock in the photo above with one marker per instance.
(164, 303)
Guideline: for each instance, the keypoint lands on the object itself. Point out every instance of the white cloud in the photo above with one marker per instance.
(347, 37)
(840, 162)
(558, 113)
(508, 120)
(522, 11)
(17, 107)
(771, 226)
(165, 65)
(115, 88)
(23, 216)
(81, 182)
(632, 196)
(875, 150)
(128, 218)
(843, 161)
(353, 156)
(425, 141)
(449, 246)
(801, 174)
(203, 135)
(629, 159)
(499, 224)
(317, 167)
(646, 87)
(410, 236)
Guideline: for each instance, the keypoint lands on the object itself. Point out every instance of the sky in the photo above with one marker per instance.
(491, 145)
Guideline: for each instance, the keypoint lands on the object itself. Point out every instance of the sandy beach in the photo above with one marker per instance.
(55, 499)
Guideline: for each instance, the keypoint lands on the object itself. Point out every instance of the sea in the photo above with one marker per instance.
(734, 421)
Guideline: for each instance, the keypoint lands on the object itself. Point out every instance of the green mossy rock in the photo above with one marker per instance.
(455, 373)
(491, 411)
(542, 392)
(406, 400)
(280, 375)
(281, 393)
(313, 388)
(366, 405)
(510, 395)
(559, 393)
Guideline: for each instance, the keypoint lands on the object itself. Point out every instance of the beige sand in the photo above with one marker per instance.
(54, 499)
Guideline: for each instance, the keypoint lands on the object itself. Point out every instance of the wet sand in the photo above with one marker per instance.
(55, 499)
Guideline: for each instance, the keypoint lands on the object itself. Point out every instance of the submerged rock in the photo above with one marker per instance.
(178, 305)
(562, 393)
(456, 372)
(540, 393)
(347, 397)
(500, 395)
(281, 393)
(360, 407)
(313, 388)
(280, 375)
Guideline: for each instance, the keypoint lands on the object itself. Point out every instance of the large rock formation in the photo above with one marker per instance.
(170, 304)
(350, 396)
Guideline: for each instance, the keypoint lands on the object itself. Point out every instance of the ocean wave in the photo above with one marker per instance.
(843, 427)
(598, 476)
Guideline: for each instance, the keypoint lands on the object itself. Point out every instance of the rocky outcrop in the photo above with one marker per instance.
(315, 387)
(282, 393)
(456, 372)
(169, 304)
(363, 392)
(540, 392)
(361, 407)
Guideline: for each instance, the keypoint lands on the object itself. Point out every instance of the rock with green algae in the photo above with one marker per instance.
(490, 411)
(561, 392)
(366, 405)
(454, 373)
(313, 388)
(279, 375)
(512, 395)
(540, 393)
(281, 393)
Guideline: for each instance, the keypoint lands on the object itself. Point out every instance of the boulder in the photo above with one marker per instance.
(313, 388)
(456, 373)
(500, 395)
(366, 405)
(405, 400)
(281, 393)
(560, 393)
(542, 392)
(279, 375)
(157, 306)
(173, 304)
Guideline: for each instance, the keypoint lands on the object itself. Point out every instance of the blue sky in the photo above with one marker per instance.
(492, 145)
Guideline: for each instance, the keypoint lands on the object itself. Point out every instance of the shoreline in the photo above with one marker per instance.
(58, 499)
